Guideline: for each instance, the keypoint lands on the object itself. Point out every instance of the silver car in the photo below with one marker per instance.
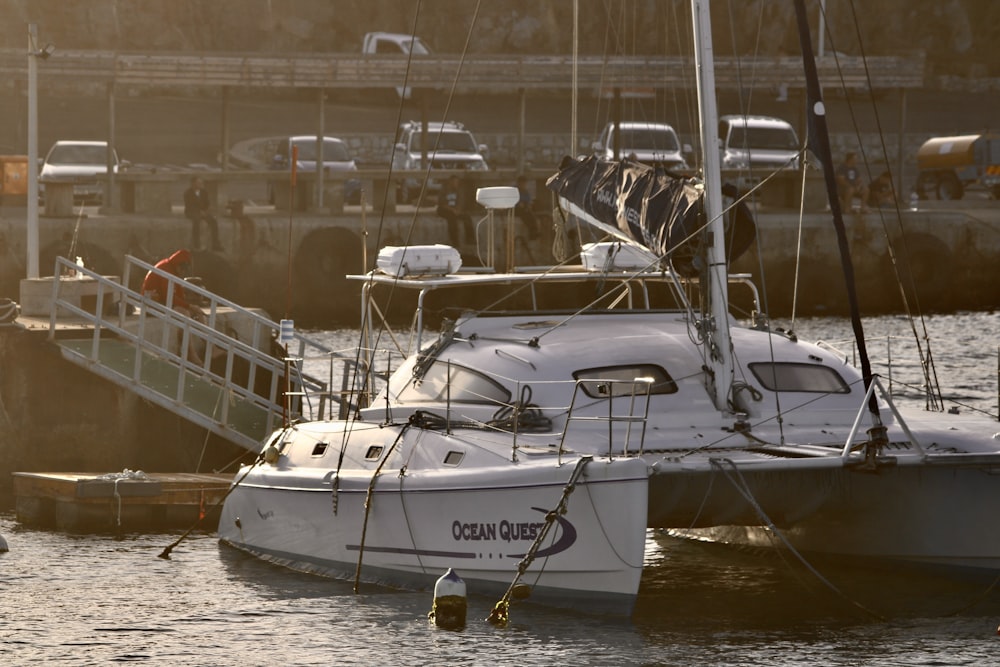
(336, 158)
(82, 163)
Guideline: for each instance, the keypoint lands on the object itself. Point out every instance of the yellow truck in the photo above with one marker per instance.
(948, 165)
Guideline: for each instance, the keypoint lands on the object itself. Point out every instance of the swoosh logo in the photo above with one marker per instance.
(565, 541)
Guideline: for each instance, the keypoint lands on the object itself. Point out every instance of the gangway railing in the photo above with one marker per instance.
(236, 388)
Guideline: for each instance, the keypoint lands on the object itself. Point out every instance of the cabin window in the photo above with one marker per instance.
(453, 458)
(592, 380)
(319, 449)
(799, 377)
(467, 386)
(374, 451)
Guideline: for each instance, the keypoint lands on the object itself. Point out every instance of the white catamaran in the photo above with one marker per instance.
(535, 447)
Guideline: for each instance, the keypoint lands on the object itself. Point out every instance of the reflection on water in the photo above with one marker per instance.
(95, 600)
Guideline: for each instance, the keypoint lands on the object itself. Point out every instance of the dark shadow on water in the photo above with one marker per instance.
(691, 586)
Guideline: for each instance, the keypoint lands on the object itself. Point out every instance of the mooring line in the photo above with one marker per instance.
(744, 490)
(500, 615)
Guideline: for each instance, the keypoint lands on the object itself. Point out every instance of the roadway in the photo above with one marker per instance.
(186, 130)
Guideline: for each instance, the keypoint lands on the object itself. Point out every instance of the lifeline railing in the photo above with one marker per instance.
(634, 390)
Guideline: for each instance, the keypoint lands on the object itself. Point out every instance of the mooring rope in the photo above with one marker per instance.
(165, 554)
(743, 489)
(368, 501)
(500, 616)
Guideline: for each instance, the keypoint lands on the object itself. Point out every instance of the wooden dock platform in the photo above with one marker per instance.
(118, 502)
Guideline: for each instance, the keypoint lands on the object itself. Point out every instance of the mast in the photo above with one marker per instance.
(716, 329)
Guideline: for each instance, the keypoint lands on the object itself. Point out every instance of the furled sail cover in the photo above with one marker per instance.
(649, 206)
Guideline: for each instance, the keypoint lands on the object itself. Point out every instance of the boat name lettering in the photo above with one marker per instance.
(509, 531)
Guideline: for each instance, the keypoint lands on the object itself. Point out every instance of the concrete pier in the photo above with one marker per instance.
(118, 502)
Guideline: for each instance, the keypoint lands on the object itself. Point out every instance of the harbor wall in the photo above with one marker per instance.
(946, 255)
(934, 259)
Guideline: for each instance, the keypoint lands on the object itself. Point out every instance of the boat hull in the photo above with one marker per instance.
(941, 516)
(480, 523)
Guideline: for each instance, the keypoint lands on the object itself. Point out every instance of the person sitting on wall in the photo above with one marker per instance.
(196, 209)
(448, 208)
(850, 183)
(880, 191)
(156, 287)
(522, 208)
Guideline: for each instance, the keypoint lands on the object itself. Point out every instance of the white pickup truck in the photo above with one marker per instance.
(392, 43)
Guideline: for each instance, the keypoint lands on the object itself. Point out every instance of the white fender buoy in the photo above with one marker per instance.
(3, 545)
(450, 604)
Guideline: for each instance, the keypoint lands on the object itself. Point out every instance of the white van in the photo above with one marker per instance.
(760, 143)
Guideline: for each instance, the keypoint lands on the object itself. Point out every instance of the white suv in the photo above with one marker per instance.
(650, 143)
(759, 143)
(449, 146)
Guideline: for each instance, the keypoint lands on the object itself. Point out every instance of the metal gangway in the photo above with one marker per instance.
(229, 375)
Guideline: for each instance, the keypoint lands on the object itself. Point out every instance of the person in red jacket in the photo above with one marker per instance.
(156, 288)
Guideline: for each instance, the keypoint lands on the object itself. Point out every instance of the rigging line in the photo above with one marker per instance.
(704, 498)
(444, 116)
(368, 502)
(739, 66)
(604, 532)
(927, 363)
(741, 486)
(779, 417)
(355, 380)
(820, 135)
(684, 39)
(798, 247)
(413, 221)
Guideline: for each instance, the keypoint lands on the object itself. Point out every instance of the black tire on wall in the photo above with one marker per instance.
(321, 295)
(218, 275)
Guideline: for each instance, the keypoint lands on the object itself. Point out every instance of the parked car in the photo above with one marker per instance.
(758, 143)
(82, 163)
(655, 144)
(448, 146)
(336, 158)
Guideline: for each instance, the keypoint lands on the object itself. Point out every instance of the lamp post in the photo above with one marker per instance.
(34, 53)
(32, 151)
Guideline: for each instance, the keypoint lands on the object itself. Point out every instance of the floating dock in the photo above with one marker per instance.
(118, 502)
